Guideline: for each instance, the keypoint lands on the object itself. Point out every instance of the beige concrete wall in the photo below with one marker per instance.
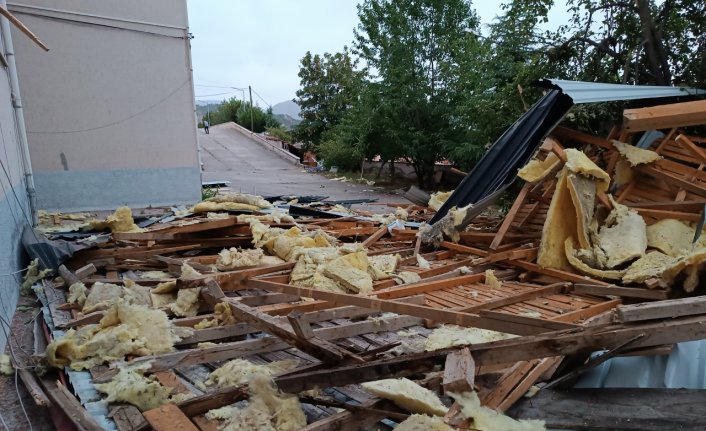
(111, 103)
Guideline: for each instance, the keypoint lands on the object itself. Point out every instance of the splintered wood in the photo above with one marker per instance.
(263, 306)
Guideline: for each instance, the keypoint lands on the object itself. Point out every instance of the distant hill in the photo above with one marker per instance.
(286, 112)
(202, 107)
(287, 107)
(287, 121)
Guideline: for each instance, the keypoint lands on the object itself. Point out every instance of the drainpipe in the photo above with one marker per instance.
(19, 113)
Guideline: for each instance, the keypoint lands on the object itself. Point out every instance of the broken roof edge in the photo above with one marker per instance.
(590, 92)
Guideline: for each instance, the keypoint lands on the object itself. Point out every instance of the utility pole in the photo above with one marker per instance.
(252, 126)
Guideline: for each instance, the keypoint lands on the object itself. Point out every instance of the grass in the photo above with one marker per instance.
(208, 192)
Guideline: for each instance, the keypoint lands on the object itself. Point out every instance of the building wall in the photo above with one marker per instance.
(109, 109)
(14, 206)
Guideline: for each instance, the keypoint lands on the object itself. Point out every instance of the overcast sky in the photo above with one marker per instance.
(260, 42)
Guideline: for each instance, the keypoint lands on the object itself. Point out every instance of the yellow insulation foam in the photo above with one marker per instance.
(240, 371)
(407, 395)
(6, 367)
(188, 272)
(131, 386)
(438, 199)
(383, 266)
(451, 335)
(120, 221)
(77, 294)
(423, 423)
(651, 265)
(634, 155)
(125, 329)
(572, 256)
(673, 237)
(559, 225)
(267, 408)
(230, 259)
(623, 237)
(187, 302)
(583, 196)
(32, 276)
(101, 296)
(223, 315)
(579, 163)
(537, 170)
(486, 419)
(491, 280)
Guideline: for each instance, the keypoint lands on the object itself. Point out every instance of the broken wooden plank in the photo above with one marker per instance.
(519, 297)
(23, 28)
(168, 417)
(459, 372)
(562, 275)
(372, 239)
(562, 343)
(626, 292)
(66, 401)
(510, 216)
(222, 332)
(427, 286)
(316, 347)
(525, 325)
(127, 417)
(435, 314)
(300, 325)
(665, 116)
(229, 280)
(33, 387)
(225, 351)
(527, 381)
(662, 309)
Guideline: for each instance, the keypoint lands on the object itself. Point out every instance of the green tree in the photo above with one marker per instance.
(259, 119)
(239, 112)
(224, 112)
(330, 84)
(416, 49)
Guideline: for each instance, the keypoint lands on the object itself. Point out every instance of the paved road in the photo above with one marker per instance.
(229, 155)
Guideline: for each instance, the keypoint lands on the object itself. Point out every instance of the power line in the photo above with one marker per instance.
(114, 122)
(216, 94)
(219, 86)
(263, 100)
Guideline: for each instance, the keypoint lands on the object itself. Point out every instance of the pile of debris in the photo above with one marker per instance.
(247, 313)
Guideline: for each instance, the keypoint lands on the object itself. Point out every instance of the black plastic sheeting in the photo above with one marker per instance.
(498, 168)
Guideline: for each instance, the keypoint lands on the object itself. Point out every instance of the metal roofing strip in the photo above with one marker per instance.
(588, 92)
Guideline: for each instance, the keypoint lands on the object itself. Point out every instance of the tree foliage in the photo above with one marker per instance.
(434, 88)
(239, 112)
(330, 84)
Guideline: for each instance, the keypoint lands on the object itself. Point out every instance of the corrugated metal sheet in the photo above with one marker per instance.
(684, 367)
(81, 381)
(588, 92)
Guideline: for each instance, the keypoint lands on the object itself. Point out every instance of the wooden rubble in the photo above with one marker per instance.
(560, 317)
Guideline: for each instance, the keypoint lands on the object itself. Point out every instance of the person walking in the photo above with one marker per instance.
(205, 126)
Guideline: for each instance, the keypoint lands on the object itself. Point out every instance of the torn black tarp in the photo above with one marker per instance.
(498, 168)
(52, 253)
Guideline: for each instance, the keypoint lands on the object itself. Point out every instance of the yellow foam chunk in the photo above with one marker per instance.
(634, 155)
(559, 225)
(408, 395)
(537, 170)
(579, 163)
